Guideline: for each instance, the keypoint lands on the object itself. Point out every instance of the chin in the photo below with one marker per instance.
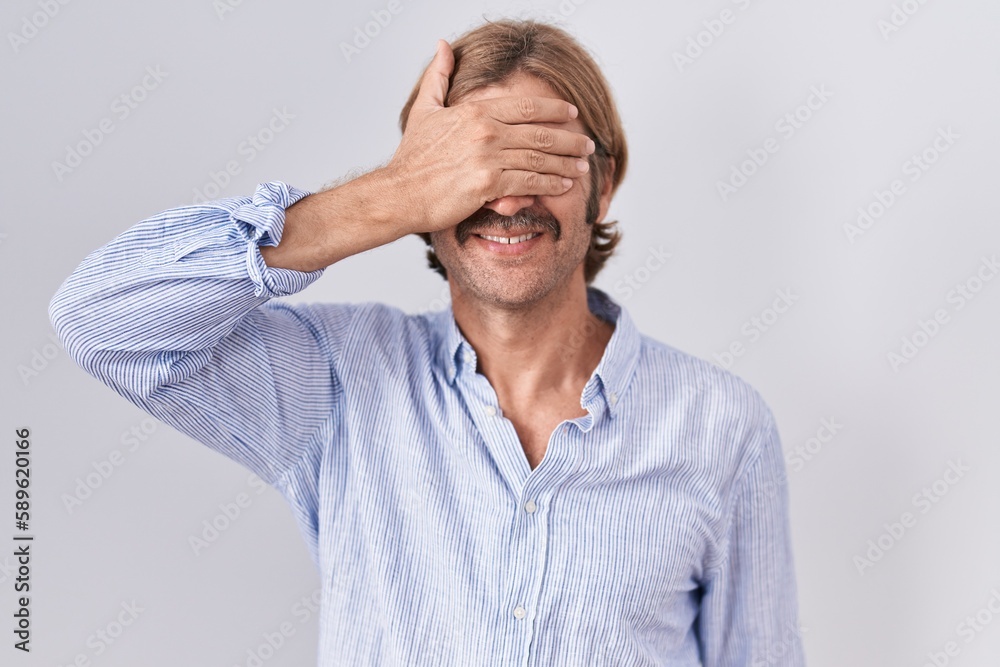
(508, 291)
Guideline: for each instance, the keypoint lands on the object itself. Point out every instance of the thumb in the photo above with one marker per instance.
(434, 83)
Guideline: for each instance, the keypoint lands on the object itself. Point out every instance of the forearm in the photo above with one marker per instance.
(326, 227)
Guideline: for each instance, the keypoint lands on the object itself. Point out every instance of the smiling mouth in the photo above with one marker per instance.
(509, 240)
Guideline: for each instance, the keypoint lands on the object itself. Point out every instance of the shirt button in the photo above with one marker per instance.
(490, 411)
(613, 398)
(468, 357)
(530, 507)
(519, 612)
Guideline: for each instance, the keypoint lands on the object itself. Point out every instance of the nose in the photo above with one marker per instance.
(509, 205)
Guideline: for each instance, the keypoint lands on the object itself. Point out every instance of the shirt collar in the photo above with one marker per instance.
(610, 379)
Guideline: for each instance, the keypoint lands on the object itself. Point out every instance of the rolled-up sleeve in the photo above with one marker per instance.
(175, 314)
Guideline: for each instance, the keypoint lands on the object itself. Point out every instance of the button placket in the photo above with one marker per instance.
(499, 437)
(531, 536)
(529, 546)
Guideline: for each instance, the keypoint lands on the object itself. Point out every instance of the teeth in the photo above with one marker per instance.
(508, 240)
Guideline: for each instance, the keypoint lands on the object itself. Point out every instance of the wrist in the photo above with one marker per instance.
(392, 203)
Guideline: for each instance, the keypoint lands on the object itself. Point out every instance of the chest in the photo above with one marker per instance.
(609, 557)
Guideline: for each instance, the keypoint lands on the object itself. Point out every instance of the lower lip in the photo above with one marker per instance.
(509, 248)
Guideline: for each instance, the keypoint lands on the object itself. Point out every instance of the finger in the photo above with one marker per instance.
(516, 183)
(544, 163)
(547, 140)
(514, 110)
(434, 82)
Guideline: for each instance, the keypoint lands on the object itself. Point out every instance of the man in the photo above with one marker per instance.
(523, 478)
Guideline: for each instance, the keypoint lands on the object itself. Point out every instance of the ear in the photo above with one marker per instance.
(606, 190)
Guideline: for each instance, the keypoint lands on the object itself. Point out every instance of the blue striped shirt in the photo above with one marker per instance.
(654, 531)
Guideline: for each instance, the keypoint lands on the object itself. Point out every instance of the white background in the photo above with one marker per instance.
(784, 229)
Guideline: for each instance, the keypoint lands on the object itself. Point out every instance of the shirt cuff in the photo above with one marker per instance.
(261, 223)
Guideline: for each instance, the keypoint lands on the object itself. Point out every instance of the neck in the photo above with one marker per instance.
(537, 352)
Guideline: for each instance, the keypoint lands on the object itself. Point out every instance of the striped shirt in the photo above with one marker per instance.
(654, 531)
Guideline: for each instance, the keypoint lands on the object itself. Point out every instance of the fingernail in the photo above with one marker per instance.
(582, 165)
(567, 183)
(591, 146)
(573, 111)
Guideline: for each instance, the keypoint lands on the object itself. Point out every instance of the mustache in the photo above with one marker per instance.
(525, 219)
